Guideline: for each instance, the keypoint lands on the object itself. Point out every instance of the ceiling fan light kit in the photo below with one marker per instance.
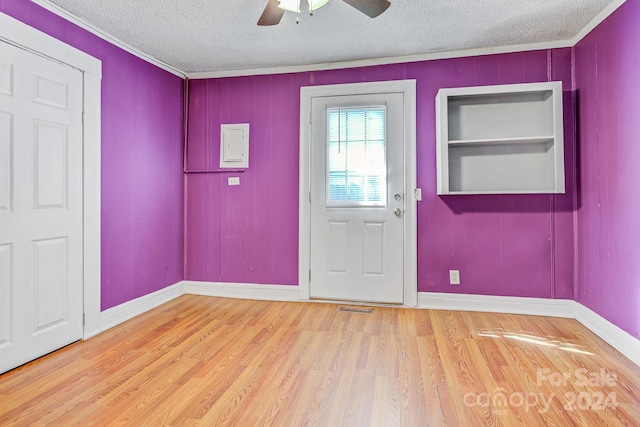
(290, 5)
(294, 5)
(274, 10)
(317, 4)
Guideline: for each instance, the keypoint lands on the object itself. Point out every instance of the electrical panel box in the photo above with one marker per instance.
(234, 146)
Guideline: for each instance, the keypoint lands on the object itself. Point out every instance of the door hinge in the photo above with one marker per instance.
(309, 196)
(83, 319)
(83, 117)
(309, 274)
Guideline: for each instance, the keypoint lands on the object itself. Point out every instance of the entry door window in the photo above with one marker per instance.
(356, 156)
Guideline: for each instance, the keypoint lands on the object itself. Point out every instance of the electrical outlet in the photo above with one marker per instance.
(454, 277)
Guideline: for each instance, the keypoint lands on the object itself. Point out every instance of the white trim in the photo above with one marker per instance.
(28, 38)
(242, 290)
(92, 203)
(418, 57)
(431, 56)
(497, 304)
(408, 89)
(25, 37)
(597, 21)
(622, 341)
(619, 339)
(411, 212)
(57, 10)
(121, 313)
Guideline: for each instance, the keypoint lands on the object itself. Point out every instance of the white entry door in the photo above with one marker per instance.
(40, 206)
(357, 198)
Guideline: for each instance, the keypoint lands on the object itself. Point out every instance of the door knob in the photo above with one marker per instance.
(397, 212)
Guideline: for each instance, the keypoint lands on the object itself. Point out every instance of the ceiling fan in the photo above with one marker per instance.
(275, 8)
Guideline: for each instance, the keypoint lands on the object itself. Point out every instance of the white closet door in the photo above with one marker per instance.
(40, 206)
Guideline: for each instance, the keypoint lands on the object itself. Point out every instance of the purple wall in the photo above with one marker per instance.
(502, 245)
(142, 191)
(607, 70)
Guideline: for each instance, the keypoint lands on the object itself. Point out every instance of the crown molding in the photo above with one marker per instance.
(57, 10)
(462, 53)
(381, 61)
(597, 20)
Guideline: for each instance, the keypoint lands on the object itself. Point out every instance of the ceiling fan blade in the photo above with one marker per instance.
(371, 8)
(272, 14)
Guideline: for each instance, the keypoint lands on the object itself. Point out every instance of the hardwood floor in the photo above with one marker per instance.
(212, 361)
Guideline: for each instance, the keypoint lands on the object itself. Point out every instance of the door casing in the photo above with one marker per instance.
(307, 93)
(28, 38)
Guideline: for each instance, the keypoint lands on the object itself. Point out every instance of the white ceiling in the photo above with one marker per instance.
(222, 35)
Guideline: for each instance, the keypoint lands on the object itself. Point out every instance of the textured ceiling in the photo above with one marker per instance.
(222, 35)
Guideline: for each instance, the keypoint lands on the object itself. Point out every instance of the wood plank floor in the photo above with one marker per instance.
(212, 361)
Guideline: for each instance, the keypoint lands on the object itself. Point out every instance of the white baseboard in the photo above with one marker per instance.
(622, 341)
(619, 339)
(243, 290)
(497, 304)
(121, 313)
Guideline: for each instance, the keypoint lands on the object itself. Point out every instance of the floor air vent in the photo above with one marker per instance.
(361, 310)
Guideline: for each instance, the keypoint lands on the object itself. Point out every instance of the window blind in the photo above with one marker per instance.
(356, 172)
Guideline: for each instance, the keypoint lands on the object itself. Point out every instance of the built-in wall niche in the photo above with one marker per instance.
(505, 139)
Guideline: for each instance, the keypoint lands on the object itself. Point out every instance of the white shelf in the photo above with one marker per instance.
(501, 141)
(504, 139)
